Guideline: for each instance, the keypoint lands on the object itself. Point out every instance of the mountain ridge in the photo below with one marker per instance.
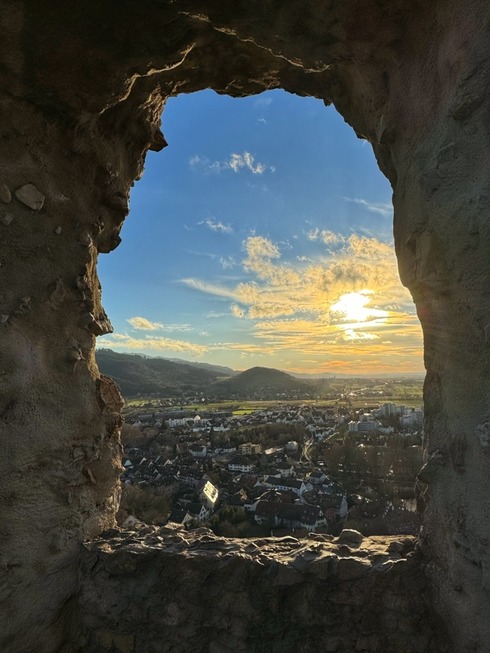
(138, 374)
(260, 382)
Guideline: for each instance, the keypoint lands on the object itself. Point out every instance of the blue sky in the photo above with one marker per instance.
(262, 235)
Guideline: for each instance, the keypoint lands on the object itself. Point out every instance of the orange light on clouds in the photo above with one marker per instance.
(353, 306)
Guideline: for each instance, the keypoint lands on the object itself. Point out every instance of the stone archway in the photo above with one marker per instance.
(82, 94)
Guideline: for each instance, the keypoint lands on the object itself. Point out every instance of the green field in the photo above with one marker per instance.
(350, 393)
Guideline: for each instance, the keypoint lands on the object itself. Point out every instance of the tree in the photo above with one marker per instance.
(145, 504)
(131, 436)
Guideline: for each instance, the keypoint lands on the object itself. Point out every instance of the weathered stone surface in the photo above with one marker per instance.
(350, 568)
(6, 219)
(30, 196)
(81, 102)
(171, 590)
(351, 537)
(5, 194)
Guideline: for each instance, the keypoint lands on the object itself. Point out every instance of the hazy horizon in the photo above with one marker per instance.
(262, 236)
(177, 359)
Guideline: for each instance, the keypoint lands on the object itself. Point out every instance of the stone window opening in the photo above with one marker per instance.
(81, 104)
(154, 204)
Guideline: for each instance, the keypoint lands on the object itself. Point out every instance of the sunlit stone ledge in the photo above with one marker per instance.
(167, 589)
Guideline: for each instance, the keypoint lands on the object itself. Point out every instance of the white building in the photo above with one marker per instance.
(209, 495)
(285, 470)
(367, 427)
(413, 419)
(240, 464)
(198, 451)
(343, 509)
(278, 483)
(249, 448)
(388, 409)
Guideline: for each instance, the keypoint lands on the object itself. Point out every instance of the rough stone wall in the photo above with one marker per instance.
(59, 420)
(169, 590)
(81, 94)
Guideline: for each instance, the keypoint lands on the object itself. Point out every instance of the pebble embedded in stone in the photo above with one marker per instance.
(5, 194)
(6, 219)
(30, 196)
(57, 230)
(351, 537)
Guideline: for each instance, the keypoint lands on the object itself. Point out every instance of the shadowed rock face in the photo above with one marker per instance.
(205, 593)
(81, 95)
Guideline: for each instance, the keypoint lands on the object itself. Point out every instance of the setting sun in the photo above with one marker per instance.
(260, 274)
(353, 306)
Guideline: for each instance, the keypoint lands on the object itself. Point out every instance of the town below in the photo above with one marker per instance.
(288, 465)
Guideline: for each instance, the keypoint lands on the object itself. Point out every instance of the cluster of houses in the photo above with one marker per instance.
(286, 493)
(320, 423)
(278, 485)
(368, 420)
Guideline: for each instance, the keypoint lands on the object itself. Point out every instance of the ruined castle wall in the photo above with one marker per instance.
(171, 590)
(81, 94)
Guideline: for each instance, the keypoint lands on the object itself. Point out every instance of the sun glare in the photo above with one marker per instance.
(301, 289)
(352, 306)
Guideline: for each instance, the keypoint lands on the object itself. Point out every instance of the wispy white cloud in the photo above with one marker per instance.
(247, 161)
(208, 288)
(177, 327)
(210, 255)
(262, 101)
(309, 286)
(215, 225)
(382, 208)
(237, 311)
(214, 315)
(351, 335)
(236, 162)
(325, 236)
(227, 262)
(201, 162)
(124, 341)
(143, 324)
(197, 160)
(346, 303)
(258, 247)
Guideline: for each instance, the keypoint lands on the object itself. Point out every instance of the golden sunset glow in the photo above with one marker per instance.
(278, 249)
(345, 307)
(352, 306)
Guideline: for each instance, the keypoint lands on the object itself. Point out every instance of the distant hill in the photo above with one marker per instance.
(219, 369)
(144, 375)
(260, 382)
